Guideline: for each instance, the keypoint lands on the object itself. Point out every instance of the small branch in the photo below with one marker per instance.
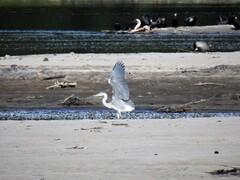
(76, 147)
(62, 85)
(208, 83)
(54, 77)
(65, 101)
(94, 128)
(196, 102)
(188, 71)
(119, 124)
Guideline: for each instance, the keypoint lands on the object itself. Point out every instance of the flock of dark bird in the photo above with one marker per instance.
(145, 20)
(161, 22)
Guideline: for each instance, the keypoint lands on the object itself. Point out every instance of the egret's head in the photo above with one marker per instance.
(99, 94)
(137, 21)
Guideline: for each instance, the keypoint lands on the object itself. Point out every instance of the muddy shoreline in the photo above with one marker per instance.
(162, 87)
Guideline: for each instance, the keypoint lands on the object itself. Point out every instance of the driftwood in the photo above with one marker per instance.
(144, 28)
(181, 107)
(119, 124)
(188, 71)
(54, 77)
(234, 171)
(173, 109)
(71, 100)
(76, 147)
(197, 102)
(208, 83)
(94, 128)
(62, 85)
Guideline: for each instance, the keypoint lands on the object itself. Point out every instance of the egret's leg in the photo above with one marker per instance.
(119, 115)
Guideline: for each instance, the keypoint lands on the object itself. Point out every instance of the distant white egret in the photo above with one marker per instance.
(135, 24)
(120, 91)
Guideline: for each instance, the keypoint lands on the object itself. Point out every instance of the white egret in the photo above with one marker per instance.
(120, 91)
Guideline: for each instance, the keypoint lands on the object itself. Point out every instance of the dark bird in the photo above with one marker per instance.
(231, 18)
(190, 21)
(222, 20)
(117, 26)
(146, 20)
(159, 23)
(175, 20)
(236, 24)
(202, 46)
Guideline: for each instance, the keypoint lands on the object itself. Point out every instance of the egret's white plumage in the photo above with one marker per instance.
(120, 91)
(138, 24)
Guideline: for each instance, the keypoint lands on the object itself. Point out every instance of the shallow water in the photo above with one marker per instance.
(73, 114)
(20, 42)
(36, 30)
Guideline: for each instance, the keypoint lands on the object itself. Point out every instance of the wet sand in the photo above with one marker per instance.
(134, 149)
(194, 82)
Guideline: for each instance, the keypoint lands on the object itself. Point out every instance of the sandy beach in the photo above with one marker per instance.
(134, 149)
(156, 80)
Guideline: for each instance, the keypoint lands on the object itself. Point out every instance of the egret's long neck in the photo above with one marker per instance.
(138, 24)
(104, 101)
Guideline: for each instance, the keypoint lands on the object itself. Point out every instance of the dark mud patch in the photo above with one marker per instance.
(231, 171)
(223, 68)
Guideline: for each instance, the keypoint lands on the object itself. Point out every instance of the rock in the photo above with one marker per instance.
(45, 59)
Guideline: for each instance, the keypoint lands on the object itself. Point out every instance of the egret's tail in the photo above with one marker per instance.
(131, 106)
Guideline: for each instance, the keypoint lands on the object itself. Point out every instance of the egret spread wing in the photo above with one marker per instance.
(118, 82)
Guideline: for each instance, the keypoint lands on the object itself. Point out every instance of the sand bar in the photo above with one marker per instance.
(141, 62)
(209, 29)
